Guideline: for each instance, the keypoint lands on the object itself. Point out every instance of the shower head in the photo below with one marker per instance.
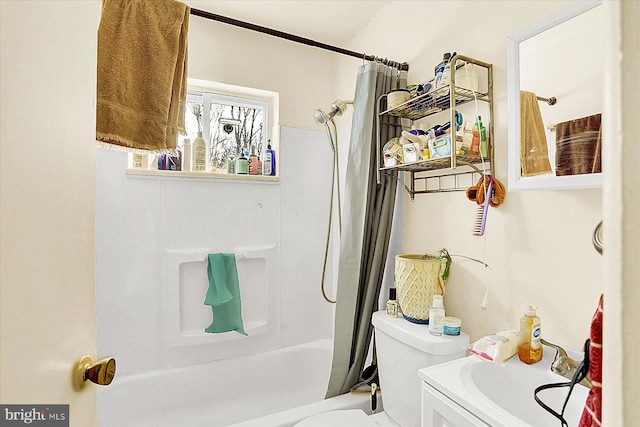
(337, 108)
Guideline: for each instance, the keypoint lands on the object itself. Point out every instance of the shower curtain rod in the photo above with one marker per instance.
(294, 38)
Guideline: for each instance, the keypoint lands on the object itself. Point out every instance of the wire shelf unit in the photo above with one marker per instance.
(444, 98)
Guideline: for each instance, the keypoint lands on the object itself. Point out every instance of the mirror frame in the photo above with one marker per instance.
(544, 182)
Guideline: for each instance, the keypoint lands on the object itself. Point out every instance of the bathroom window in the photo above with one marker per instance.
(230, 126)
(232, 120)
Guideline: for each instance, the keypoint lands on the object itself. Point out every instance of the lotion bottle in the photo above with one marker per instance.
(530, 347)
(199, 149)
(269, 164)
(436, 316)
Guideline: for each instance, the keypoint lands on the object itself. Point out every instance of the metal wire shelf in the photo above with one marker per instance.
(434, 102)
(444, 98)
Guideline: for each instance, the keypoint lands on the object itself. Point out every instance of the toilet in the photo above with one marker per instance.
(403, 348)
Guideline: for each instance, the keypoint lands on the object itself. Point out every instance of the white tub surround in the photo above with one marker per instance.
(219, 393)
(153, 235)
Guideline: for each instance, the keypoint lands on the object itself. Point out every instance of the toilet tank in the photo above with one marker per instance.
(402, 349)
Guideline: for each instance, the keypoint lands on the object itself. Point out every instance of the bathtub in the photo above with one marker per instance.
(272, 389)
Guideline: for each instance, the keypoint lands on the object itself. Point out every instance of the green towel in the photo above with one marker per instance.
(223, 294)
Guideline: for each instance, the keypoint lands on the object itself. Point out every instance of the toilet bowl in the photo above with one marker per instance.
(403, 348)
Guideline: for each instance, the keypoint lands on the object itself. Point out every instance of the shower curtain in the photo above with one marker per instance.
(367, 218)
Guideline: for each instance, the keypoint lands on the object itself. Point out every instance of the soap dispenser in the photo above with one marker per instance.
(530, 347)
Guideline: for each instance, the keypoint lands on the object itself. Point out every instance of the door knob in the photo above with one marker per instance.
(101, 372)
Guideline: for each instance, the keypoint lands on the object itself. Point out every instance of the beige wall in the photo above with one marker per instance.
(302, 75)
(537, 243)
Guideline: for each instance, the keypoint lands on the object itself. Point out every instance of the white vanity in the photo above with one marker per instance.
(472, 392)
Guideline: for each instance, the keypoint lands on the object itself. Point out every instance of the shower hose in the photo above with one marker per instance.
(332, 132)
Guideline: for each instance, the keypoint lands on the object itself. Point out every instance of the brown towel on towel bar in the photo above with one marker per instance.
(578, 146)
(142, 74)
(534, 154)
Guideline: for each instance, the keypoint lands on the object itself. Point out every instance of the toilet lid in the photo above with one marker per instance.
(344, 418)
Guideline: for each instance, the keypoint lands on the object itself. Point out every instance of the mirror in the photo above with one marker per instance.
(554, 130)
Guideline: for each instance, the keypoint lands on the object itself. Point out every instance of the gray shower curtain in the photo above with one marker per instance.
(367, 218)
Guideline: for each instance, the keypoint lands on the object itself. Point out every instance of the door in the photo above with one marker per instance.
(47, 260)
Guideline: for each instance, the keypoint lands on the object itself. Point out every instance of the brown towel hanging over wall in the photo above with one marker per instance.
(579, 146)
(142, 74)
(534, 154)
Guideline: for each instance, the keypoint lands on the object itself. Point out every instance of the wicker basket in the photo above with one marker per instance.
(417, 279)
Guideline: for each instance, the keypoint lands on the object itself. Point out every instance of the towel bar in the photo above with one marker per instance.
(550, 101)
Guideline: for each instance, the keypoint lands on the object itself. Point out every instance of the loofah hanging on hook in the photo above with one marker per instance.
(475, 193)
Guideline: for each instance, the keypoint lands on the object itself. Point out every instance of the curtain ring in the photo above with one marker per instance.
(364, 58)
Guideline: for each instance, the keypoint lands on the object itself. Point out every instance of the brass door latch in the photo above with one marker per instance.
(101, 372)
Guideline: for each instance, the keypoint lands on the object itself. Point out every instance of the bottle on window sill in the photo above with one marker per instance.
(269, 164)
(199, 154)
(242, 164)
(186, 155)
(253, 162)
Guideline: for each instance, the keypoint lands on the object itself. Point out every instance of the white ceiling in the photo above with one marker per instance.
(332, 22)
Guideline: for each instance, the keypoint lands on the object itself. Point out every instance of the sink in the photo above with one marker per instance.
(503, 395)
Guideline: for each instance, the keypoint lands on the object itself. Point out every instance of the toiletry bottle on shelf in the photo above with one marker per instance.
(445, 58)
(173, 162)
(483, 138)
(199, 149)
(530, 347)
(445, 79)
(425, 151)
(162, 165)
(436, 316)
(474, 151)
(269, 164)
(140, 161)
(253, 162)
(242, 164)
(392, 304)
(459, 137)
(186, 155)
(231, 164)
(467, 138)
(439, 69)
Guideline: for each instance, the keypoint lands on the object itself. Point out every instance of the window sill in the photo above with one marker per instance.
(200, 175)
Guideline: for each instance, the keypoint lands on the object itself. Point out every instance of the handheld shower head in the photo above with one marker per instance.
(337, 108)
(321, 117)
